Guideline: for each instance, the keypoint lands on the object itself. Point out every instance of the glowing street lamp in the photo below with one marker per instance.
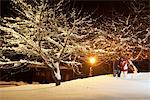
(92, 61)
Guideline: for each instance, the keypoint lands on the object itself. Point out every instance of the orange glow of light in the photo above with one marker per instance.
(92, 60)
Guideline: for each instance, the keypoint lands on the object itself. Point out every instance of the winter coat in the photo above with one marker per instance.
(124, 65)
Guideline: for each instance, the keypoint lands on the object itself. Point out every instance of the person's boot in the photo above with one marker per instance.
(114, 75)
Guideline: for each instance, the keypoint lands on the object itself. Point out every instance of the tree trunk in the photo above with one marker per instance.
(135, 70)
(56, 74)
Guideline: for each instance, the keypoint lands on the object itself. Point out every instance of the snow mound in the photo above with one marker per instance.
(139, 76)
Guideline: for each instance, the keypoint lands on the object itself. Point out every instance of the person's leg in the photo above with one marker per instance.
(125, 74)
(114, 72)
(119, 73)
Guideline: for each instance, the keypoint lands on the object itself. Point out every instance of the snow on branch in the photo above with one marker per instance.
(49, 31)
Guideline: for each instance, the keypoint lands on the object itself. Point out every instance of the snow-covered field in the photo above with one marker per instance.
(104, 87)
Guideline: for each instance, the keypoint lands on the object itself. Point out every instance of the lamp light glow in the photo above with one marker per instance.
(92, 60)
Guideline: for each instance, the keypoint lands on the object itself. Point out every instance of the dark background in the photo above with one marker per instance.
(104, 7)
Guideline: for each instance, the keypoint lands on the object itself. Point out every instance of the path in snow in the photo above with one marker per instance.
(105, 87)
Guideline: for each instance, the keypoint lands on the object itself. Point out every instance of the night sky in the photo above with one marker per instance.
(104, 7)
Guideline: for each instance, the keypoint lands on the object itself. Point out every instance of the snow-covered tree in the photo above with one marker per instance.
(121, 34)
(46, 29)
(127, 33)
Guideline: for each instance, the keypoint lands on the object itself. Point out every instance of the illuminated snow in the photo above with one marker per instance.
(104, 87)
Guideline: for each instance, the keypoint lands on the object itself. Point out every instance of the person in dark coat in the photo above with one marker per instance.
(116, 68)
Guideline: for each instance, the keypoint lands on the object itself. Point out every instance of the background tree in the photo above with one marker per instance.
(123, 33)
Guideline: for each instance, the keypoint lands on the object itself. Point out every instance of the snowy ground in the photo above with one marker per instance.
(105, 87)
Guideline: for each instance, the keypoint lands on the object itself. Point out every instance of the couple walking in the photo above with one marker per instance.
(121, 66)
